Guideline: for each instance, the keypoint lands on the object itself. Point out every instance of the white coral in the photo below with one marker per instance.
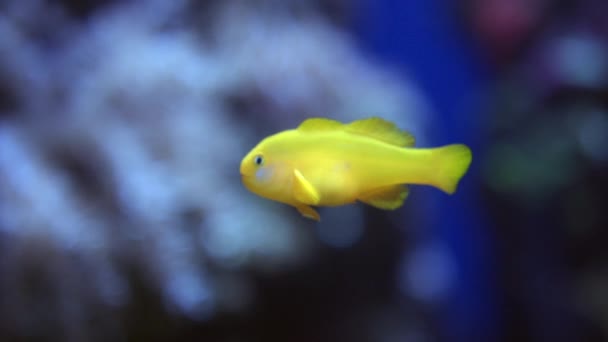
(148, 110)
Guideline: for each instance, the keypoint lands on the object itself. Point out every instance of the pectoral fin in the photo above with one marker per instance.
(309, 212)
(389, 198)
(303, 191)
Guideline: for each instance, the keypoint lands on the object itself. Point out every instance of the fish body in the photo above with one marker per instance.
(327, 163)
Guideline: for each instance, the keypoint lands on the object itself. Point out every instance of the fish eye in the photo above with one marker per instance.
(259, 160)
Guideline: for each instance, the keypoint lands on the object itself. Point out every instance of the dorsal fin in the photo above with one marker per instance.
(382, 130)
(320, 124)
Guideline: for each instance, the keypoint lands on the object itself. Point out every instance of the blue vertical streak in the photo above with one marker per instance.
(423, 38)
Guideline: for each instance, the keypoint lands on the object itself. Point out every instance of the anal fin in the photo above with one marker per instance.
(389, 198)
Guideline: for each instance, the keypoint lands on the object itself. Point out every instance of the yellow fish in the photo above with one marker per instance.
(324, 162)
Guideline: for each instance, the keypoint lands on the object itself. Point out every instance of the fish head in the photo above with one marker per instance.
(264, 174)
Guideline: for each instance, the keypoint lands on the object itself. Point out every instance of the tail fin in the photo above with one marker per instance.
(452, 162)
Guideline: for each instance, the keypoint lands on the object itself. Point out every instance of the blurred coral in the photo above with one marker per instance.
(121, 128)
